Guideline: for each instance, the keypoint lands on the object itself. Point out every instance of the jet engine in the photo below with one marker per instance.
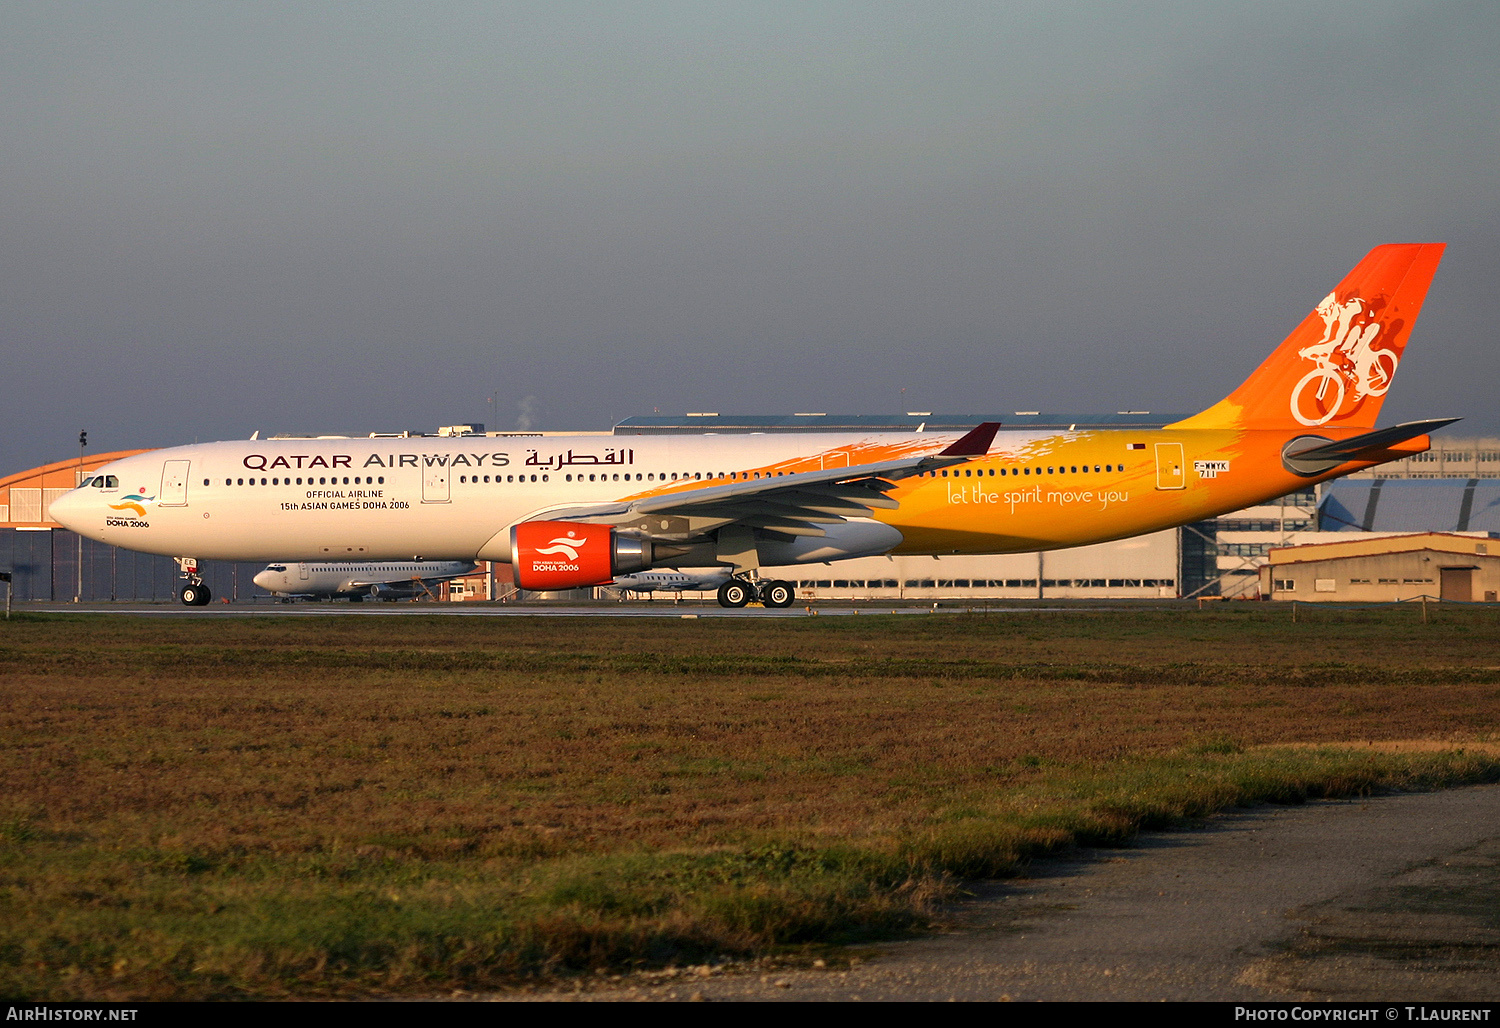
(547, 555)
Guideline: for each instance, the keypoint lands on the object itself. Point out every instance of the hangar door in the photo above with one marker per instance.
(1457, 584)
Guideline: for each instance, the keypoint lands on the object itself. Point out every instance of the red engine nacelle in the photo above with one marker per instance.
(547, 555)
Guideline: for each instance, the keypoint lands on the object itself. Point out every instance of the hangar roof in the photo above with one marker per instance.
(1408, 505)
(1438, 542)
(25, 495)
(912, 421)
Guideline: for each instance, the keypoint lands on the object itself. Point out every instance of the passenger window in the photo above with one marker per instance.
(1074, 469)
(382, 480)
(241, 481)
(205, 481)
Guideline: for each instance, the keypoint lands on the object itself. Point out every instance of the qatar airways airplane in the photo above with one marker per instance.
(576, 511)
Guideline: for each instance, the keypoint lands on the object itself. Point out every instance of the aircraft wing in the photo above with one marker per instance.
(791, 505)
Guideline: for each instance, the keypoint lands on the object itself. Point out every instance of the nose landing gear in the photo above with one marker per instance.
(192, 593)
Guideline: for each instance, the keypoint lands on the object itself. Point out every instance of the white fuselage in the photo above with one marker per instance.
(402, 499)
(354, 578)
(699, 580)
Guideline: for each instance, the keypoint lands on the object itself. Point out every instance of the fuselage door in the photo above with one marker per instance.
(174, 480)
(302, 572)
(1169, 470)
(435, 484)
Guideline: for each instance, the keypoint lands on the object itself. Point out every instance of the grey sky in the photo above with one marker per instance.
(317, 217)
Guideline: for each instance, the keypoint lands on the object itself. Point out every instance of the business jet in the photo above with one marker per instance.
(674, 581)
(354, 580)
(573, 511)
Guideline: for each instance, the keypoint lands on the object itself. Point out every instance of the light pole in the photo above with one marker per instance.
(83, 440)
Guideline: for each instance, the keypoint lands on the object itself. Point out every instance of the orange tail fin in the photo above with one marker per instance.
(1335, 367)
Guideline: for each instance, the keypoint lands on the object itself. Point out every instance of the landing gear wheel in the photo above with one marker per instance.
(734, 594)
(777, 594)
(195, 595)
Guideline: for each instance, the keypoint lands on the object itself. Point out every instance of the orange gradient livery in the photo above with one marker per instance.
(568, 511)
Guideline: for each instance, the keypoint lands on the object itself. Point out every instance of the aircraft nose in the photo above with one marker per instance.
(68, 509)
(264, 581)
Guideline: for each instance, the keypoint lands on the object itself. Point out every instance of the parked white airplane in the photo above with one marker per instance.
(355, 580)
(700, 580)
(573, 511)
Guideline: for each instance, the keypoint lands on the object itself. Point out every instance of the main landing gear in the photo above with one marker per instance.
(192, 592)
(739, 591)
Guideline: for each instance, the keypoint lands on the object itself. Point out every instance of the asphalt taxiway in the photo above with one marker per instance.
(1394, 898)
(338, 609)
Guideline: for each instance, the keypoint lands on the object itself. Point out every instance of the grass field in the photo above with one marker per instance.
(269, 807)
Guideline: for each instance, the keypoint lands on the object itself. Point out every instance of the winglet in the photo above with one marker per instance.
(976, 443)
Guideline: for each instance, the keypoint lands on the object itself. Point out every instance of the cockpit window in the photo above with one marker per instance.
(86, 482)
(102, 482)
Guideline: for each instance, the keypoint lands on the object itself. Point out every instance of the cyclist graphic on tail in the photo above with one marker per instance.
(1345, 357)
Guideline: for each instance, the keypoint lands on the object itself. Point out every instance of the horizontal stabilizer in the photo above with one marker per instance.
(1312, 455)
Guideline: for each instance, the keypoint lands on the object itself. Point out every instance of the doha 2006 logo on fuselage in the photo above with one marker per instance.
(132, 508)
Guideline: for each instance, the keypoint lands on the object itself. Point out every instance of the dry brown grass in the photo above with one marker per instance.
(261, 806)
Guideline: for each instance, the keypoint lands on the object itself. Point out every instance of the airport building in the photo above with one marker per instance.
(1386, 569)
(1445, 490)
